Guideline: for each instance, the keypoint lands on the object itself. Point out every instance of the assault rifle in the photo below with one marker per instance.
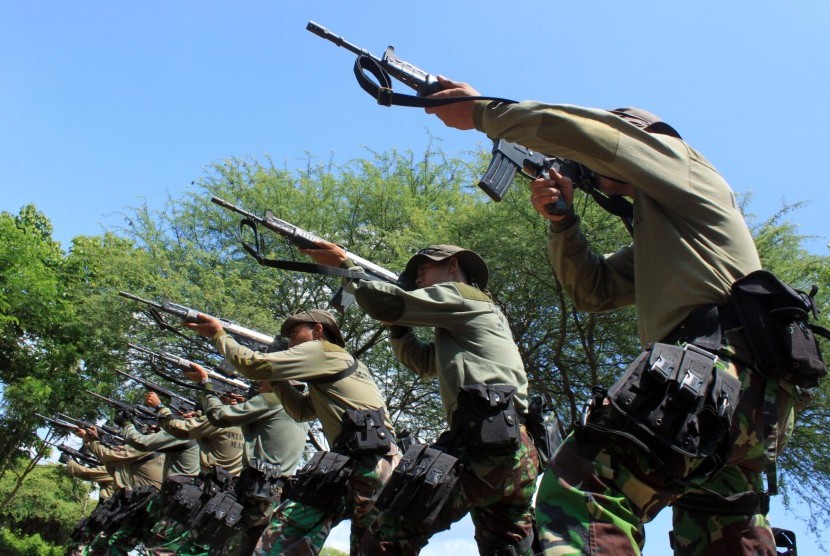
(186, 314)
(108, 436)
(508, 158)
(87, 460)
(304, 239)
(178, 403)
(140, 415)
(221, 384)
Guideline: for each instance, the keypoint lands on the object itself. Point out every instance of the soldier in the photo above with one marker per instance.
(339, 386)
(137, 476)
(480, 376)
(274, 443)
(219, 447)
(690, 245)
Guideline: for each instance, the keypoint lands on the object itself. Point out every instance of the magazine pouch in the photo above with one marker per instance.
(486, 418)
(217, 520)
(261, 481)
(364, 432)
(671, 400)
(775, 320)
(420, 485)
(322, 483)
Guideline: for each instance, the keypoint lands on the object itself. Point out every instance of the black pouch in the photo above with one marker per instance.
(364, 432)
(486, 418)
(420, 485)
(101, 515)
(260, 481)
(322, 483)
(543, 427)
(184, 503)
(672, 399)
(131, 507)
(217, 520)
(775, 320)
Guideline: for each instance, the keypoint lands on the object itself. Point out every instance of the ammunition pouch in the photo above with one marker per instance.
(420, 485)
(775, 320)
(323, 482)
(671, 400)
(131, 505)
(486, 418)
(217, 520)
(101, 516)
(364, 433)
(544, 431)
(260, 481)
(182, 496)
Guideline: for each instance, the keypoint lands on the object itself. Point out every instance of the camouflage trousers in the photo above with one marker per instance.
(597, 492)
(496, 490)
(299, 530)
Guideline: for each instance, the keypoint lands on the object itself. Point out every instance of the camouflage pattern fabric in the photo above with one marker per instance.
(597, 492)
(300, 530)
(497, 490)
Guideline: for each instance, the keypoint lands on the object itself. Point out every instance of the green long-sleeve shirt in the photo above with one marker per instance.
(128, 466)
(690, 239)
(270, 433)
(181, 457)
(473, 343)
(308, 361)
(98, 475)
(220, 446)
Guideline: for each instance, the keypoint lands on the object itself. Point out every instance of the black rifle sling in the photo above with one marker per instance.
(340, 375)
(382, 91)
(296, 266)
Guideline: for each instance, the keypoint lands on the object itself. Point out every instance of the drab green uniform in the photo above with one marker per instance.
(296, 528)
(271, 435)
(473, 344)
(690, 244)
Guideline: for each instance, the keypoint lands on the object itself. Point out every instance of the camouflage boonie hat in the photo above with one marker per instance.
(471, 262)
(315, 316)
(646, 121)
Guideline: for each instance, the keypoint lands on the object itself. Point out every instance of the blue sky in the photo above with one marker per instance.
(107, 105)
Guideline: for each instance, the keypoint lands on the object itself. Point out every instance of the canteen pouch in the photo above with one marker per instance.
(775, 320)
(261, 481)
(364, 432)
(322, 482)
(486, 418)
(671, 400)
(420, 485)
(217, 520)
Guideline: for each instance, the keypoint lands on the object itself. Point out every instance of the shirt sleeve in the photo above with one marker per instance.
(297, 404)
(227, 415)
(302, 362)
(415, 354)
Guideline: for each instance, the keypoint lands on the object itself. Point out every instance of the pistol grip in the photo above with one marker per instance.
(558, 208)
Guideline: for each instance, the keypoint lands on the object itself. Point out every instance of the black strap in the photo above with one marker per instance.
(336, 376)
(296, 266)
(381, 90)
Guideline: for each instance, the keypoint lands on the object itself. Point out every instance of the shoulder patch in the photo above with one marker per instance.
(471, 292)
(328, 346)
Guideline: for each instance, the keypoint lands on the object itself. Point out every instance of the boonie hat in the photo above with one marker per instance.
(646, 121)
(474, 266)
(315, 316)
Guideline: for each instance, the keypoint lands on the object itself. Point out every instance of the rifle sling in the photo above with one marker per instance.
(296, 266)
(340, 375)
(383, 93)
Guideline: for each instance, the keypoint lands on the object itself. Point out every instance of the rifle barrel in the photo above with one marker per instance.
(322, 32)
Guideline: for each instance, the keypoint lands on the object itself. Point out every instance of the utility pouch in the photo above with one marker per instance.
(543, 427)
(420, 485)
(132, 507)
(217, 520)
(322, 483)
(672, 399)
(364, 432)
(100, 516)
(184, 503)
(486, 418)
(217, 480)
(775, 320)
(261, 481)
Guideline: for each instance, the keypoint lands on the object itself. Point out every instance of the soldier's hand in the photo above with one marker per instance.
(93, 432)
(327, 253)
(197, 373)
(544, 191)
(207, 326)
(460, 114)
(79, 432)
(152, 399)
